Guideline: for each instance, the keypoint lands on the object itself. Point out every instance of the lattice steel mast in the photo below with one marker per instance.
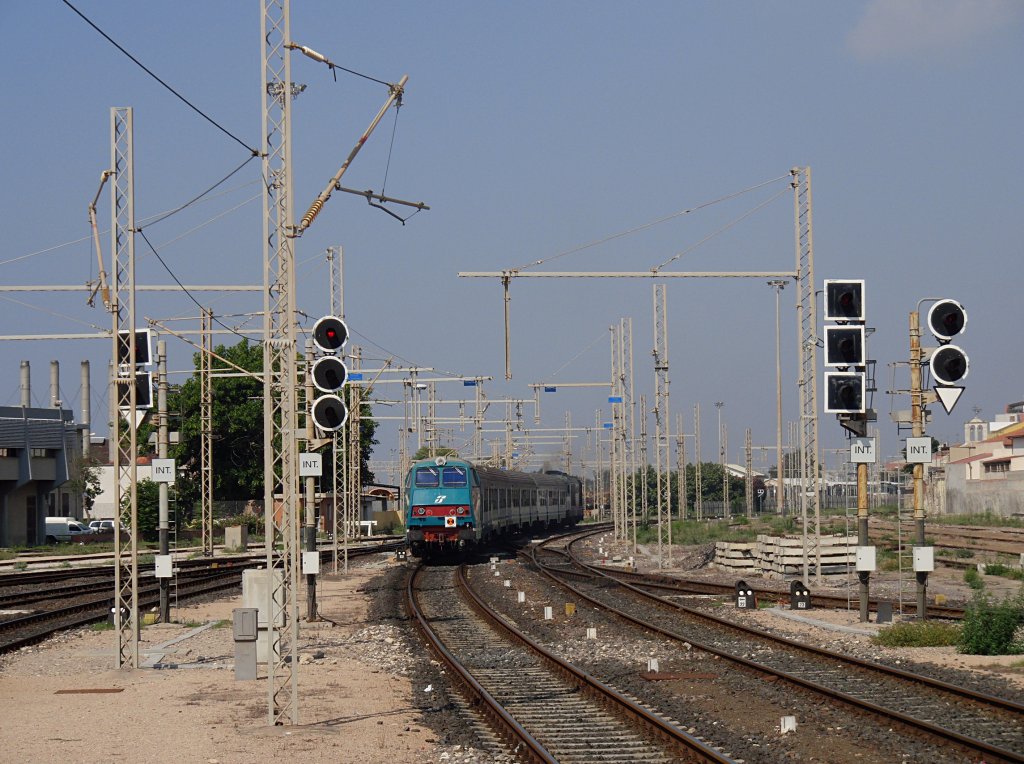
(280, 469)
(206, 428)
(662, 427)
(808, 380)
(122, 247)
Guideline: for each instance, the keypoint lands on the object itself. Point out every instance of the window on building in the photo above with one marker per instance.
(992, 468)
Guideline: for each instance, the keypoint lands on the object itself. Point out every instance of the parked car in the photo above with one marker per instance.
(64, 529)
(106, 526)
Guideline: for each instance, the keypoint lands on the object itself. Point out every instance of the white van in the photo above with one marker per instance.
(61, 529)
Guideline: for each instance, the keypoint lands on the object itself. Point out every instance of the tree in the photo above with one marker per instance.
(237, 425)
(84, 480)
(147, 508)
(429, 452)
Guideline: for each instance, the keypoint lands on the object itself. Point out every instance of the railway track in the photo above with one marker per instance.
(91, 601)
(547, 709)
(978, 724)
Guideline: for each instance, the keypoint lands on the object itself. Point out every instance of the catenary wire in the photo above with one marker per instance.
(180, 97)
(652, 223)
(185, 290)
(145, 222)
(53, 313)
(195, 199)
(724, 228)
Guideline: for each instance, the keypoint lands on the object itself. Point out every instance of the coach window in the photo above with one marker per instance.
(454, 477)
(427, 477)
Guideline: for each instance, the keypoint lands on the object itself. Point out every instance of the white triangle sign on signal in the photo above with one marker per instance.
(948, 396)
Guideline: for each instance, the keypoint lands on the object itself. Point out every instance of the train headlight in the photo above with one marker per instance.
(420, 511)
(463, 510)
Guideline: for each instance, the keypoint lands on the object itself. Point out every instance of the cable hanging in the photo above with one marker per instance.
(185, 290)
(652, 223)
(178, 95)
(195, 199)
(723, 229)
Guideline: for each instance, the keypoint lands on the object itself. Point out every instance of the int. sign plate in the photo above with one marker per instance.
(162, 470)
(310, 465)
(919, 450)
(862, 451)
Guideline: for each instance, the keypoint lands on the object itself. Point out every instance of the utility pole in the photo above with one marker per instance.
(309, 503)
(645, 508)
(917, 415)
(662, 426)
(778, 285)
(810, 503)
(280, 468)
(123, 385)
(161, 450)
(206, 429)
(681, 466)
(698, 486)
(721, 462)
(336, 269)
(749, 482)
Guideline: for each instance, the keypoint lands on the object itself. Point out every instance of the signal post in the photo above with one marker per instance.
(846, 392)
(948, 365)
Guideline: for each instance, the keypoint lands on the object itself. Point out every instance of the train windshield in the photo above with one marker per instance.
(454, 477)
(427, 477)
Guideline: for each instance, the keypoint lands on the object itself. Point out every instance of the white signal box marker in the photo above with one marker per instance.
(919, 450)
(163, 470)
(862, 451)
(948, 396)
(310, 465)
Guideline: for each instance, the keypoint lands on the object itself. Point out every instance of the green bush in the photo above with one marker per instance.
(989, 626)
(918, 634)
(999, 569)
(255, 523)
(973, 579)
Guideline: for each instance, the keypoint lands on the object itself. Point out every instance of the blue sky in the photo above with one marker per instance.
(532, 128)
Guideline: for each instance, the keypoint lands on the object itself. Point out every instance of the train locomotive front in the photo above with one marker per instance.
(452, 506)
(439, 514)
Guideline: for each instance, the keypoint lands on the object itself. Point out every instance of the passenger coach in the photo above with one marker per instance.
(452, 505)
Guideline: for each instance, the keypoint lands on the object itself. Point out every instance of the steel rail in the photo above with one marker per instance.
(665, 730)
(972, 744)
(510, 729)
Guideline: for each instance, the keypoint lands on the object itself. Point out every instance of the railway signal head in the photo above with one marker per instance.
(844, 346)
(947, 319)
(143, 347)
(330, 334)
(949, 365)
(329, 374)
(844, 300)
(143, 390)
(845, 392)
(329, 413)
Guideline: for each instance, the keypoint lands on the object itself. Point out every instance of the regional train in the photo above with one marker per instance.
(453, 506)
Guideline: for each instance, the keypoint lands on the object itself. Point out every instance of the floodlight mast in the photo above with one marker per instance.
(314, 209)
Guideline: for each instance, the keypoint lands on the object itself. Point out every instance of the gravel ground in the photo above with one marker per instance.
(369, 691)
(996, 673)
